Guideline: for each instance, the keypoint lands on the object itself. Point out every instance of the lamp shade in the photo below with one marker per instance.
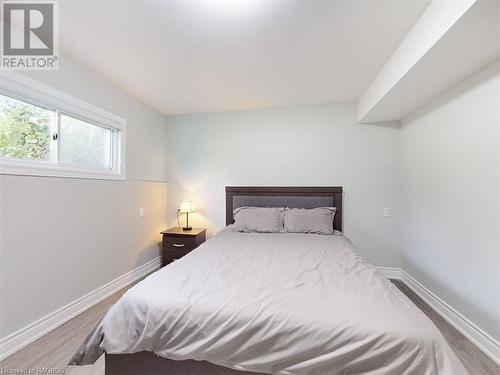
(186, 207)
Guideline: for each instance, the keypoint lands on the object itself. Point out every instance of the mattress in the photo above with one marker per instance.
(275, 303)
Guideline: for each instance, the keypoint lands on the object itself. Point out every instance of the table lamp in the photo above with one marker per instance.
(187, 208)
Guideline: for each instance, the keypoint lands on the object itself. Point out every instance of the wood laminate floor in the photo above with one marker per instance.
(56, 348)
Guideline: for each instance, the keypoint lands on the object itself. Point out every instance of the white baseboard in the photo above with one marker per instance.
(481, 339)
(26, 335)
(487, 344)
(391, 272)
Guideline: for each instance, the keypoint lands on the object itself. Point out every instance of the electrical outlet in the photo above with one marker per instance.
(141, 212)
(387, 212)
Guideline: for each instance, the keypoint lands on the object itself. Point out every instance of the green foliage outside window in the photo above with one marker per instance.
(24, 130)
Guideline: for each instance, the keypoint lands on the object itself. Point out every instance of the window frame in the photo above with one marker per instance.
(22, 88)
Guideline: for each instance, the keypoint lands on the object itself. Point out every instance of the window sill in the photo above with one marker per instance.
(47, 169)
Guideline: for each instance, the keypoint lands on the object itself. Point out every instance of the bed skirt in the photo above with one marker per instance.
(147, 363)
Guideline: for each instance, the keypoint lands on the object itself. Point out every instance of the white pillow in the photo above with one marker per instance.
(314, 220)
(258, 219)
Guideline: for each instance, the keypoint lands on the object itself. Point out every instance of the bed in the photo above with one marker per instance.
(269, 303)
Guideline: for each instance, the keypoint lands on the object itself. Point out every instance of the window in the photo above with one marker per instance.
(45, 132)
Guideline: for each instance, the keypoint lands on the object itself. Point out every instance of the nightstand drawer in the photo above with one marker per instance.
(180, 243)
(171, 255)
(177, 243)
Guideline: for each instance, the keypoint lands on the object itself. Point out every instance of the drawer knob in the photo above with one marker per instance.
(178, 245)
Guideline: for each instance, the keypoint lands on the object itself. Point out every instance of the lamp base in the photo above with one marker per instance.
(187, 228)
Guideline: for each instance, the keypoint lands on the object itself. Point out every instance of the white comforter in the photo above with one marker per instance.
(278, 304)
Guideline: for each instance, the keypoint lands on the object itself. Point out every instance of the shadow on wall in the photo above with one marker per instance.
(465, 86)
(148, 253)
(448, 295)
(151, 247)
(385, 124)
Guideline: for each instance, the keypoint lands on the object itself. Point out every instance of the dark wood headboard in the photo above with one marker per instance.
(288, 196)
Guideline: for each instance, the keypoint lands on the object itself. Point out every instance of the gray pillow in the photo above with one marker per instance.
(258, 219)
(314, 220)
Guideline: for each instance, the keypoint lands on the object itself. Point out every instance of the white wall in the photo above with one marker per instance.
(62, 238)
(308, 146)
(450, 163)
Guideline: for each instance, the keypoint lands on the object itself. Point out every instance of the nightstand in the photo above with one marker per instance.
(177, 242)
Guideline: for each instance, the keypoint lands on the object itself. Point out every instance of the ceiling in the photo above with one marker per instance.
(223, 55)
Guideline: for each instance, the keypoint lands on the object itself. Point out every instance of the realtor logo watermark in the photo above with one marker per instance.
(30, 35)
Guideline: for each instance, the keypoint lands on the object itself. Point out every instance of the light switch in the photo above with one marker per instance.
(141, 212)
(387, 212)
